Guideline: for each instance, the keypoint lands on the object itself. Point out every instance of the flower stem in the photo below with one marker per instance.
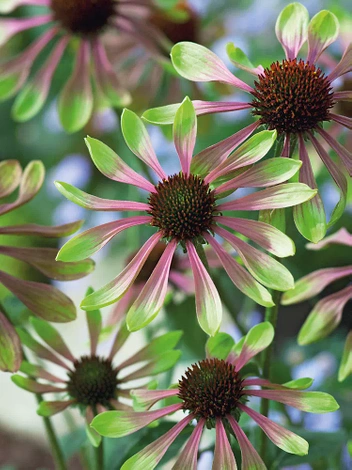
(54, 442)
(271, 314)
(99, 456)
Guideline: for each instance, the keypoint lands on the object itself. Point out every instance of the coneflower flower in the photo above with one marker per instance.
(214, 392)
(292, 96)
(185, 210)
(85, 22)
(327, 313)
(42, 300)
(93, 382)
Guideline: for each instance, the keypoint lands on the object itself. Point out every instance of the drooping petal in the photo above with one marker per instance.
(94, 322)
(151, 299)
(166, 114)
(31, 182)
(341, 151)
(323, 30)
(52, 338)
(157, 366)
(310, 402)
(207, 160)
(314, 283)
(253, 150)
(343, 120)
(263, 267)
(325, 317)
(43, 259)
(208, 302)
(150, 456)
(9, 5)
(40, 351)
(118, 286)
(138, 140)
(256, 340)
(185, 133)
(199, 64)
(51, 408)
(43, 300)
(188, 456)
(344, 66)
(10, 177)
(11, 26)
(122, 423)
(281, 437)
(338, 177)
(285, 195)
(93, 203)
(154, 348)
(10, 346)
(34, 386)
(240, 277)
(240, 59)
(223, 454)
(309, 217)
(265, 235)
(106, 78)
(39, 372)
(264, 174)
(299, 384)
(292, 28)
(113, 167)
(75, 103)
(32, 97)
(341, 237)
(145, 399)
(89, 242)
(343, 96)
(250, 457)
(346, 362)
(42, 231)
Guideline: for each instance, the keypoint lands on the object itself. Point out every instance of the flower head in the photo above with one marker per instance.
(292, 96)
(327, 313)
(93, 382)
(82, 23)
(186, 210)
(41, 299)
(214, 392)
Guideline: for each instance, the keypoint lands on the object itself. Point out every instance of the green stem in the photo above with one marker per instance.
(271, 314)
(53, 440)
(99, 456)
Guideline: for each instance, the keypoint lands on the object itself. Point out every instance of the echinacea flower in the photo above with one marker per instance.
(327, 313)
(82, 23)
(93, 382)
(214, 392)
(292, 96)
(184, 209)
(41, 299)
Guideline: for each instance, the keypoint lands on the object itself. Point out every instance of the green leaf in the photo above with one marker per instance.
(219, 346)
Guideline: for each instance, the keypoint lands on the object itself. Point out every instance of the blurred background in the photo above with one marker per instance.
(250, 25)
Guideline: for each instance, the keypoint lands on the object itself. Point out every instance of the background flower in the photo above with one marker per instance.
(327, 313)
(41, 299)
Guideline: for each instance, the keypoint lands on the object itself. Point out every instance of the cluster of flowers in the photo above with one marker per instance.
(290, 102)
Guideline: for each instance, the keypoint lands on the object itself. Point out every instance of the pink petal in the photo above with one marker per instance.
(207, 160)
(250, 457)
(120, 338)
(51, 408)
(188, 456)
(208, 302)
(210, 107)
(10, 346)
(118, 286)
(185, 134)
(151, 299)
(39, 372)
(341, 151)
(343, 96)
(183, 282)
(344, 66)
(42, 231)
(265, 235)
(148, 398)
(341, 237)
(9, 26)
(343, 120)
(223, 454)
